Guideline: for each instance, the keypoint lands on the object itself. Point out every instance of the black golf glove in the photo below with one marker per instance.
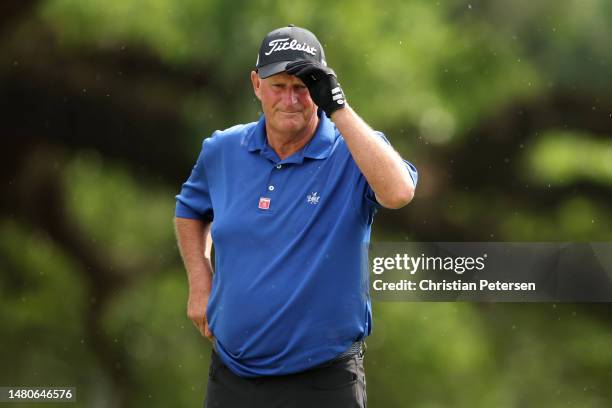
(322, 84)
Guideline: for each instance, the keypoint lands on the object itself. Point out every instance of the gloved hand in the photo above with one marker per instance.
(322, 84)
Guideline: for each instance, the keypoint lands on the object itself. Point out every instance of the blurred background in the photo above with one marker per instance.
(505, 108)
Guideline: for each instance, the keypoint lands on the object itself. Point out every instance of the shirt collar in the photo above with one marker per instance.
(319, 147)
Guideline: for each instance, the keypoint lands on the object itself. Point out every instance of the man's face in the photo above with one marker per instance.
(285, 102)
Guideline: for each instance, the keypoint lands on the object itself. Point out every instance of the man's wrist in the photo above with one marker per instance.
(339, 114)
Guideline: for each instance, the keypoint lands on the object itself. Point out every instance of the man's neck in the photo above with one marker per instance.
(285, 144)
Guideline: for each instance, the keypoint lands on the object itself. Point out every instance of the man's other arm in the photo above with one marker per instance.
(194, 242)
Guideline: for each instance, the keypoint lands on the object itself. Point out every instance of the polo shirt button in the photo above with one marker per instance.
(271, 188)
(279, 166)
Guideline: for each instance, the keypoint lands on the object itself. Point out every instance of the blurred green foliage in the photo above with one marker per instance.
(562, 157)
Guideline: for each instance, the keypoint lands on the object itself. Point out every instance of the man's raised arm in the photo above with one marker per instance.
(382, 166)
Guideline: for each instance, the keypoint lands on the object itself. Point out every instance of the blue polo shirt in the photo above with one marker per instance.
(290, 288)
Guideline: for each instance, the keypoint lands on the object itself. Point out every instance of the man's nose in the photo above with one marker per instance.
(290, 96)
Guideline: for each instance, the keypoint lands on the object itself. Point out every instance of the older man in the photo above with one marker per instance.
(292, 197)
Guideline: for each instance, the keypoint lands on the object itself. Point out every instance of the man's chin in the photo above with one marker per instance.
(292, 125)
(293, 129)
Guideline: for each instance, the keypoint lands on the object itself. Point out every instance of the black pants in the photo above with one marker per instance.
(339, 384)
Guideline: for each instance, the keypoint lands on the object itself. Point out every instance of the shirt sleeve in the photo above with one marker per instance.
(194, 199)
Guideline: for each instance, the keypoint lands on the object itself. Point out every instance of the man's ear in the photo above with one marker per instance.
(256, 81)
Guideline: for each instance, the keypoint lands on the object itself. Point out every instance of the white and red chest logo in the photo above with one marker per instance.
(264, 203)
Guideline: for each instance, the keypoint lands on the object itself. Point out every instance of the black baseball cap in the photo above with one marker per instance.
(285, 45)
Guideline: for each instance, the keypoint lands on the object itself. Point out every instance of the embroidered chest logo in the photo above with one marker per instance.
(313, 198)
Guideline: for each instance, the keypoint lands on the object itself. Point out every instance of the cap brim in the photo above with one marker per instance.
(272, 69)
